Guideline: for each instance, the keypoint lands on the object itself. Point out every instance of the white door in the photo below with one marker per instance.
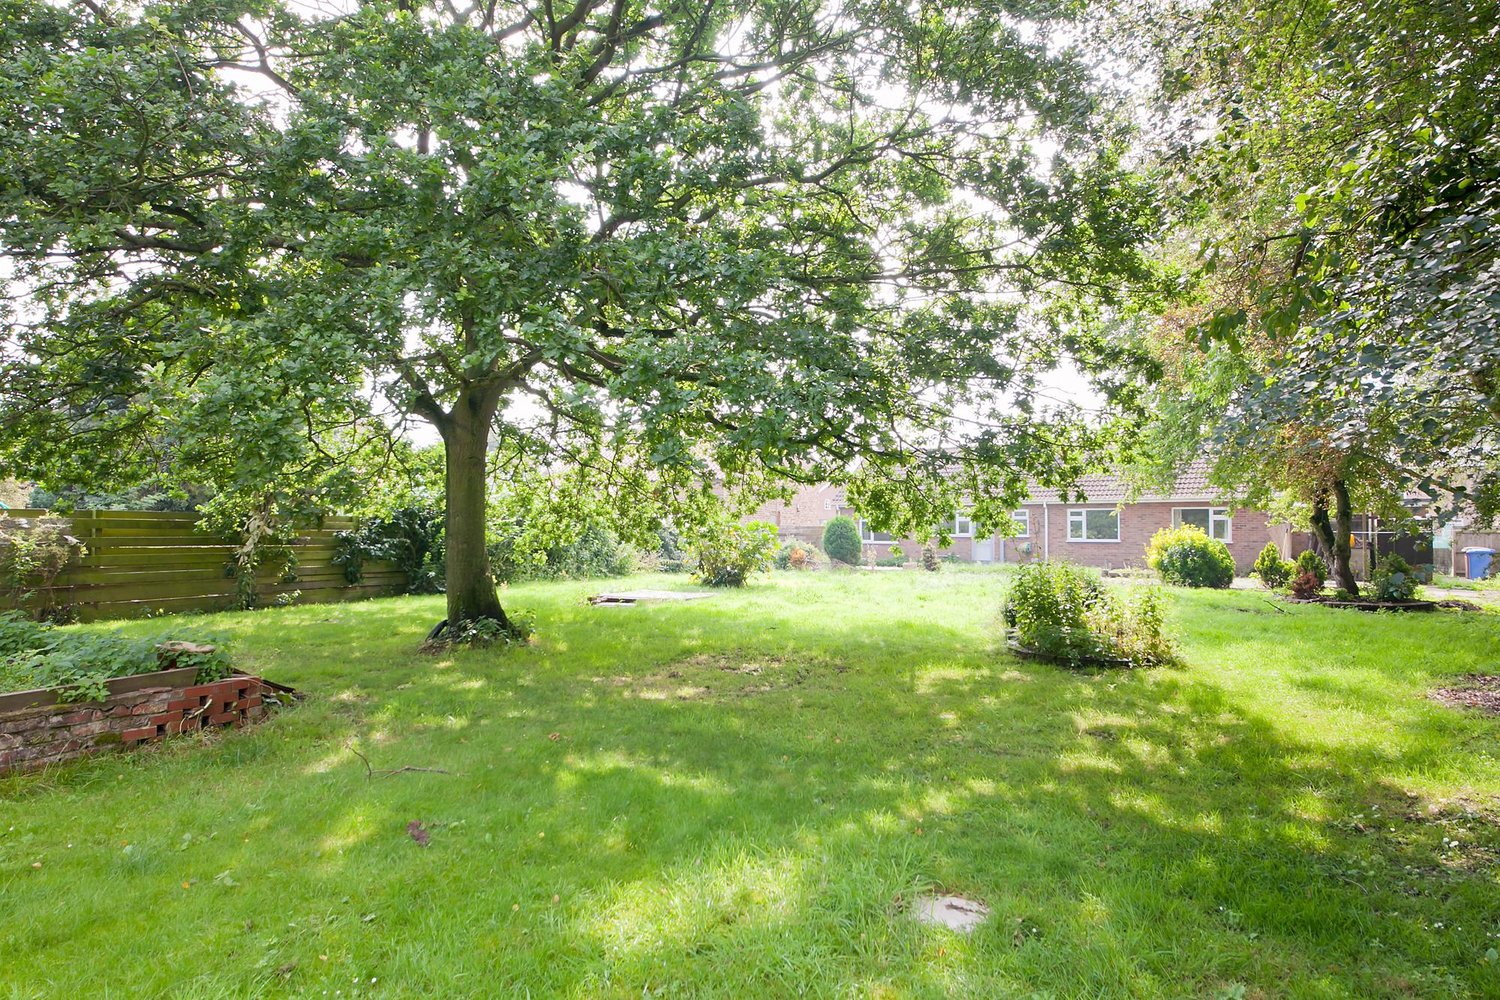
(984, 550)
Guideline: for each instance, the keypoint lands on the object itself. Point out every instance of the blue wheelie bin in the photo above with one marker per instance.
(1478, 560)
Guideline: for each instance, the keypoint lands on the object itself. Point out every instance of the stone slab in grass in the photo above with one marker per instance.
(625, 598)
(952, 912)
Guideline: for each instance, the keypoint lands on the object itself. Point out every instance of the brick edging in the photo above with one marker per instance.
(35, 737)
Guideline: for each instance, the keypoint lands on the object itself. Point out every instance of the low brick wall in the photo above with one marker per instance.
(42, 734)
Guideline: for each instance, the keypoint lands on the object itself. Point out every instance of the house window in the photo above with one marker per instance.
(1213, 521)
(870, 536)
(1023, 520)
(959, 526)
(1094, 524)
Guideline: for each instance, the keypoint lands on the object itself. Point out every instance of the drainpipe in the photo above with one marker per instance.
(1046, 532)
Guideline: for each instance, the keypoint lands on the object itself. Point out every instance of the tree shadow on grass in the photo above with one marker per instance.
(761, 835)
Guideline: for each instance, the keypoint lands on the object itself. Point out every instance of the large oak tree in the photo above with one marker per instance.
(701, 237)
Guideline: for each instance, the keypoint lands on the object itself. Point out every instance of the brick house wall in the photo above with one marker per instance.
(1249, 532)
(810, 508)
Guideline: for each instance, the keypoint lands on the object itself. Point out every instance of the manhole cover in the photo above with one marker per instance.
(952, 912)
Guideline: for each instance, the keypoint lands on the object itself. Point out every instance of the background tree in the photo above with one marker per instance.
(1335, 175)
(718, 239)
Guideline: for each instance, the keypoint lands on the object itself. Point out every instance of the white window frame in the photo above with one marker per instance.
(960, 526)
(1079, 515)
(867, 535)
(1022, 517)
(1216, 515)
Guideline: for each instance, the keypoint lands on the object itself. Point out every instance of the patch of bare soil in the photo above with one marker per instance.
(715, 674)
(1478, 691)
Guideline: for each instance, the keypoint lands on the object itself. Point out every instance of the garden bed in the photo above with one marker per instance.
(1365, 604)
(37, 728)
(1089, 661)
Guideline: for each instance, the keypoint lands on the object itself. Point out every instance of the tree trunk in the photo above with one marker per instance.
(471, 584)
(1335, 533)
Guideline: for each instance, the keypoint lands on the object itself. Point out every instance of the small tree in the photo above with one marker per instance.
(841, 540)
(1272, 570)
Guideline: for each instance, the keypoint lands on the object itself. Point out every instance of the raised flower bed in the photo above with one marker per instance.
(94, 692)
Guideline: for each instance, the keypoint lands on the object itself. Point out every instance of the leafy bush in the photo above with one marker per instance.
(897, 555)
(1064, 612)
(930, 558)
(1306, 584)
(32, 555)
(728, 552)
(671, 553)
(798, 554)
(595, 552)
(841, 540)
(1310, 562)
(485, 632)
(1394, 579)
(410, 537)
(1187, 557)
(79, 664)
(1273, 571)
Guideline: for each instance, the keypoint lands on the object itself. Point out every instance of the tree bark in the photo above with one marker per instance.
(471, 583)
(1335, 533)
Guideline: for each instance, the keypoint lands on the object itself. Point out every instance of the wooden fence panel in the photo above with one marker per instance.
(148, 562)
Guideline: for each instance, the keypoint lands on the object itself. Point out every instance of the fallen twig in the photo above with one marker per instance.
(1276, 607)
(370, 772)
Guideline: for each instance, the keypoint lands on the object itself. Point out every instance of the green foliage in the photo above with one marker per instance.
(671, 553)
(729, 553)
(409, 537)
(930, 558)
(79, 664)
(1308, 561)
(797, 554)
(480, 632)
(695, 240)
(841, 540)
(1186, 557)
(897, 555)
(32, 555)
(1274, 572)
(1065, 613)
(595, 552)
(1394, 579)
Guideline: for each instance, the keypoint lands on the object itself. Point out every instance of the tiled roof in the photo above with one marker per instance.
(1192, 484)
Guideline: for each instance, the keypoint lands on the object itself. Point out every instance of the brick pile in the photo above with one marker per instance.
(35, 737)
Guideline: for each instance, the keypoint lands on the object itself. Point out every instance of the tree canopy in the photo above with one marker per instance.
(679, 242)
(1334, 182)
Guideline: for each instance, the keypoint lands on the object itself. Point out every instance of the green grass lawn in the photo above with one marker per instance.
(737, 797)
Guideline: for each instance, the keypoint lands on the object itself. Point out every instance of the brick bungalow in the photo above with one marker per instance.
(1103, 530)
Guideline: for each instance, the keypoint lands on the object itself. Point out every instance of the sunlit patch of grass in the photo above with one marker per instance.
(741, 796)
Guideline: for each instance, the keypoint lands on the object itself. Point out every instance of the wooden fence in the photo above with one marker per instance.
(137, 563)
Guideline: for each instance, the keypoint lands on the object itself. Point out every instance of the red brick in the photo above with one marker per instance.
(223, 718)
(166, 718)
(132, 735)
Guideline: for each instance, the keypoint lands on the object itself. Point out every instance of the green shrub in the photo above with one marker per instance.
(1187, 557)
(729, 552)
(672, 555)
(930, 558)
(1273, 571)
(1309, 561)
(593, 553)
(841, 540)
(410, 537)
(1063, 612)
(897, 555)
(1394, 579)
(798, 554)
(79, 664)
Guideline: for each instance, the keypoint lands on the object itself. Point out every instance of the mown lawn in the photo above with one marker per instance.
(736, 797)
